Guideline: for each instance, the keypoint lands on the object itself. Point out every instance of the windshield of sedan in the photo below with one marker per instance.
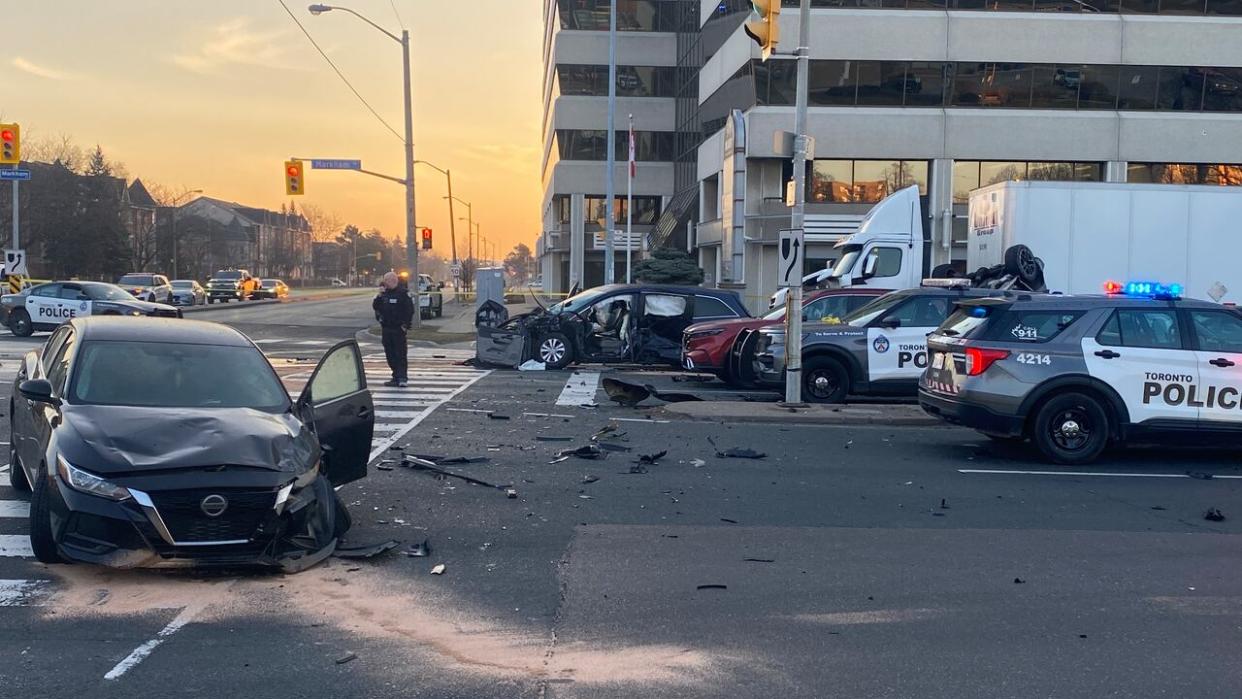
(137, 280)
(175, 375)
(106, 292)
(873, 310)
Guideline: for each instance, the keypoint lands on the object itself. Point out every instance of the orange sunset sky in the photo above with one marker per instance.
(215, 94)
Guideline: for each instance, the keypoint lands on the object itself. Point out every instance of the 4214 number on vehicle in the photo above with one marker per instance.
(1033, 358)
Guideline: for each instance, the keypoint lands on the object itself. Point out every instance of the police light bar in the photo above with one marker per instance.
(947, 282)
(1144, 289)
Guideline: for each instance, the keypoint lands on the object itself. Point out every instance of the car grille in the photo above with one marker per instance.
(182, 513)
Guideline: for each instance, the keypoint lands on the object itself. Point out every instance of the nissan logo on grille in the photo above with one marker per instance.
(214, 505)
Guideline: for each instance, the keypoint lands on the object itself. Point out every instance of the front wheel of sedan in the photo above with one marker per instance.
(1071, 428)
(554, 351)
(42, 541)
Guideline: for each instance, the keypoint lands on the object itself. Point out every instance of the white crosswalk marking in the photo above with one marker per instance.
(579, 389)
(14, 508)
(15, 545)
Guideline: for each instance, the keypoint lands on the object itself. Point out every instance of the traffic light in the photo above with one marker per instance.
(426, 238)
(10, 144)
(763, 27)
(293, 178)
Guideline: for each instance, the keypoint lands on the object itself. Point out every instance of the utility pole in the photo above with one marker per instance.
(793, 300)
(610, 218)
(411, 245)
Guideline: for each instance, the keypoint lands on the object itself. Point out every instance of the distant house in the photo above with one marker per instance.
(216, 234)
(138, 215)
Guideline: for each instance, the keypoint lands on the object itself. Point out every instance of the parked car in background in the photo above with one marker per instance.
(271, 289)
(337, 282)
(154, 288)
(231, 284)
(432, 296)
(638, 323)
(44, 307)
(810, 282)
(188, 292)
(706, 346)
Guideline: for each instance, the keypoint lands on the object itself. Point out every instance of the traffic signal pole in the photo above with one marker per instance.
(793, 301)
(411, 245)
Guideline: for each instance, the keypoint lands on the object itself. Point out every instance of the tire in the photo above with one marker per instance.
(210, 301)
(555, 351)
(42, 541)
(1071, 428)
(19, 323)
(17, 475)
(824, 380)
(1021, 262)
(944, 272)
(342, 519)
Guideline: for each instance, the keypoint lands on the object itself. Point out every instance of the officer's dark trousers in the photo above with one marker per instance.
(395, 353)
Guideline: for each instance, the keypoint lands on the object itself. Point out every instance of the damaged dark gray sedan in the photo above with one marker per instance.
(161, 443)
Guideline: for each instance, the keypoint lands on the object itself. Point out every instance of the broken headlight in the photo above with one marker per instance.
(89, 483)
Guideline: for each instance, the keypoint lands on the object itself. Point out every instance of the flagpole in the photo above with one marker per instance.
(629, 206)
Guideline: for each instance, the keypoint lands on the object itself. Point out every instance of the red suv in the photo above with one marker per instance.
(705, 346)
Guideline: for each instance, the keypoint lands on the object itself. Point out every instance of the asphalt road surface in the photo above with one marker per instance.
(847, 562)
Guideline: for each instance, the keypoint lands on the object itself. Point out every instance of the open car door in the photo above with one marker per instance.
(504, 345)
(338, 404)
(665, 316)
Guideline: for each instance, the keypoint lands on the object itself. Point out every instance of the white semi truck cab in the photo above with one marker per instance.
(887, 250)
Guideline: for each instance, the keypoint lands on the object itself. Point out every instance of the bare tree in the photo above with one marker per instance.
(54, 149)
(325, 225)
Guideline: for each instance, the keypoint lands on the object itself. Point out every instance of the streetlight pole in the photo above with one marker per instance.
(175, 204)
(411, 248)
(452, 221)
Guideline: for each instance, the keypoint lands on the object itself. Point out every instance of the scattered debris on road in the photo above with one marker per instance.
(652, 459)
(609, 446)
(438, 570)
(588, 479)
(1019, 581)
(736, 452)
(759, 560)
(638, 469)
(1214, 515)
(550, 438)
(346, 658)
(370, 551)
(631, 394)
(944, 504)
(730, 521)
(532, 365)
(497, 416)
(589, 451)
(712, 587)
(421, 549)
(418, 464)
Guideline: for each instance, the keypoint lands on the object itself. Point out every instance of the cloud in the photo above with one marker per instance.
(39, 71)
(235, 43)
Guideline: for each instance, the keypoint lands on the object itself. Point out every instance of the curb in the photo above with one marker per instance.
(845, 415)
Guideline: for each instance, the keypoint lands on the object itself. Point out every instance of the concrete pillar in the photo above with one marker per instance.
(577, 239)
(1116, 171)
(940, 210)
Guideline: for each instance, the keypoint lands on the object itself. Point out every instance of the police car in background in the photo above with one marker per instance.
(46, 306)
(879, 349)
(1075, 373)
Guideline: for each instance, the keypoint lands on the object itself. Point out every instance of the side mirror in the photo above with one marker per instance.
(891, 323)
(39, 391)
(869, 267)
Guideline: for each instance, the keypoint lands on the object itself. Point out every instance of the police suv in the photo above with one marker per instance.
(1074, 373)
(879, 349)
(46, 306)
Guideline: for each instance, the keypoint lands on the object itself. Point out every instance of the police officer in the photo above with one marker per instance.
(395, 312)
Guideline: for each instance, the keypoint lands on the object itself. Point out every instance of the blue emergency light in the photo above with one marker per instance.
(1144, 289)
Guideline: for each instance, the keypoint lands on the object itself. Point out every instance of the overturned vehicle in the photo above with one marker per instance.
(631, 323)
(155, 443)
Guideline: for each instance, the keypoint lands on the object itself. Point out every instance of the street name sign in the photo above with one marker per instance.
(336, 164)
(14, 174)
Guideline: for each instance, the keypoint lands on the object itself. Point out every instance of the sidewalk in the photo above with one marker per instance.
(742, 411)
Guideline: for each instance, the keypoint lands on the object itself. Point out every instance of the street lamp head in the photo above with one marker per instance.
(319, 9)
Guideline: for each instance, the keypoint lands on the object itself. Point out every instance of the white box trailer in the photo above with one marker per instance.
(1089, 233)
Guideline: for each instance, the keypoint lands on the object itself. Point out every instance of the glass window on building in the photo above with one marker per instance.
(993, 85)
(1098, 87)
(965, 179)
(831, 181)
(874, 179)
(913, 172)
(991, 172)
(1222, 89)
(881, 83)
(926, 83)
(1224, 7)
(1061, 172)
(1179, 89)
(1182, 7)
(1055, 86)
(830, 83)
(1136, 88)
(632, 15)
(1185, 173)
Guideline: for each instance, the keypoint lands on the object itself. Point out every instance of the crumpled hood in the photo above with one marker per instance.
(115, 439)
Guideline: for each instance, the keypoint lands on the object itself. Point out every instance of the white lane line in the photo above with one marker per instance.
(312, 343)
(14, 508)
(579, 389)
(24, 593)
(15, 546)
(420, 404)
(4, 468)
(469, 410)
(141, 652)
(392, 439)
(638, 419)
(1087, 473)
(380, 415)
